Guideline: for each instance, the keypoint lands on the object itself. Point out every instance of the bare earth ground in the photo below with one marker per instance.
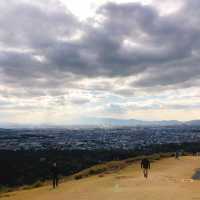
(169, 179)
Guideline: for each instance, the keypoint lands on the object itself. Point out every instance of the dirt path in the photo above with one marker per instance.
(169, 179)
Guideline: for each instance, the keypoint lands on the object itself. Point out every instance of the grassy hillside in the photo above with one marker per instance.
(99, 169)
(169, 178)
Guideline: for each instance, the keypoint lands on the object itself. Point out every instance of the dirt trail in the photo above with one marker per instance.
(169, 179)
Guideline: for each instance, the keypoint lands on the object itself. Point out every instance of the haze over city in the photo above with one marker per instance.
(62, 62)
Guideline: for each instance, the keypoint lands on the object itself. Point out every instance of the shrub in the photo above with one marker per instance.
(77, 177)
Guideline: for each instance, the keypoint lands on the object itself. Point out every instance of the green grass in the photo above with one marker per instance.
(4, 189)
(34, 185)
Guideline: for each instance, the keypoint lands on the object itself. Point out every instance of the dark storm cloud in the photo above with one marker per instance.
(29, 25)
(131, 39)
(20, 65)
(172, 76)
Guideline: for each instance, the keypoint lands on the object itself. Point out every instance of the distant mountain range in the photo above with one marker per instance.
(107, 122)
(134, 122)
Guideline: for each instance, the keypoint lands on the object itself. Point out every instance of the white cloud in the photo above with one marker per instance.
(128, 60)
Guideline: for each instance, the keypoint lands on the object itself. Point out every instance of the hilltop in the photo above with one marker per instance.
(169, 179)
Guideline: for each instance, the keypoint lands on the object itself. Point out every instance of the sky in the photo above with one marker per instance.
(62, 61)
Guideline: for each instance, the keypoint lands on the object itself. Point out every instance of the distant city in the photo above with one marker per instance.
(93, 138)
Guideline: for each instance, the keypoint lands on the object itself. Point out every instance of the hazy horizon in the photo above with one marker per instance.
(64, 61)
(105, 122)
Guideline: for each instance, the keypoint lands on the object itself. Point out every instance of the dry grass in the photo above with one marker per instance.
(115, 166)
(100, 169)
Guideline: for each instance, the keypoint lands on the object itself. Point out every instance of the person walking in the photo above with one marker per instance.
(55, 175)
(177, 154)
(145, 165)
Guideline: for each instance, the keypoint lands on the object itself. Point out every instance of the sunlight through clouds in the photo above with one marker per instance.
(62, 61)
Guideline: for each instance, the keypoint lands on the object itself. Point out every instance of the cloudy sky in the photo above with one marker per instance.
(64, 60)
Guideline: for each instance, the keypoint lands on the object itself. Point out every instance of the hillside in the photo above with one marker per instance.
(169, 179)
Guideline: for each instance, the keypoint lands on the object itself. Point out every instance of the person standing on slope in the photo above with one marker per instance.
(177, 155)
(145, 165)
(54, 171)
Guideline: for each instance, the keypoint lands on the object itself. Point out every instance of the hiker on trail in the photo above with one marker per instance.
(177, 155)
(54, 171)
(145, 165)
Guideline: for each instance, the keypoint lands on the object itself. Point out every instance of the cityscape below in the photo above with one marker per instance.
(94, 138)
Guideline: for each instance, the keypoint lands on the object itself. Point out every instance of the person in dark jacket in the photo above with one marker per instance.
(145, 165)
(54, 171)
(177, 154)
